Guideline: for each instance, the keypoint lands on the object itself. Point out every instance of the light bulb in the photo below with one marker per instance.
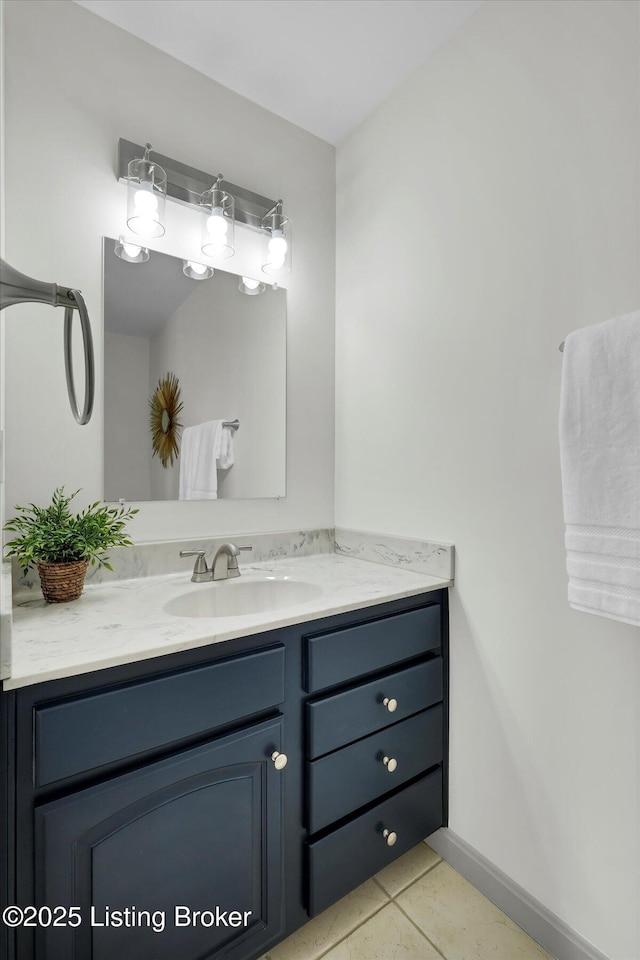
(250, 284)
(197, 267)
(277, 248)
(130, 252)
(216, 224)
(145, 200)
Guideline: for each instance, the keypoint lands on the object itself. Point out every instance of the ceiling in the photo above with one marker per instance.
(325, 65)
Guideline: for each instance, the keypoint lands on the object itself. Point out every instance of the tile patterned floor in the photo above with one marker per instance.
(418, 908)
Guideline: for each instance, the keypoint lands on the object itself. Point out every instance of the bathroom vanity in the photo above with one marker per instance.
(209, 801)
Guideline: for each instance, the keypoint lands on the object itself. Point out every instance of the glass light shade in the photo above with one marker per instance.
(218, 223)
(132, 252)
(196, 271)
(146, 197)
(250, 286)
(276, 244)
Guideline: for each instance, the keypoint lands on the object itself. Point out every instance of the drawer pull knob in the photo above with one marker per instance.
(390, 837)
(390, 763)
(390, 704)
(279, 760)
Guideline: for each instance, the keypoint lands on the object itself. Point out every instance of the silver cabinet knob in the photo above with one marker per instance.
(279, 760)
(390, 763)
(390, 837)
(390, 704)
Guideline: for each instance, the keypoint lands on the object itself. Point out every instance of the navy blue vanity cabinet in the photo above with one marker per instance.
(155, 797)
(156, 809)
(376, 746)
(7, 814)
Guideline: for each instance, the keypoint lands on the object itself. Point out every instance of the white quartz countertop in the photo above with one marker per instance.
(125, 621)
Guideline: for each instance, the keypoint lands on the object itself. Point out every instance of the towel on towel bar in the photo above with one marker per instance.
(225, 451)
(205, 449)
(600, 459)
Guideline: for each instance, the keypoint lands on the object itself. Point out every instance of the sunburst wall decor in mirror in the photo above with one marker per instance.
(165, 427)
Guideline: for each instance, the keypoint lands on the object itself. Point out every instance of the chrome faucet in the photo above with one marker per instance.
(224, 566)
(225, 562)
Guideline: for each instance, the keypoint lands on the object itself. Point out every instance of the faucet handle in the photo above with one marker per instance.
(192, 553)
(200, 568)
(234, 555)
(232, 563)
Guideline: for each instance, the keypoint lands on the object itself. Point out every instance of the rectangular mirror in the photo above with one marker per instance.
(182, 357)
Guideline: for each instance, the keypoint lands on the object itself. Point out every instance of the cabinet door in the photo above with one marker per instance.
(200, 830)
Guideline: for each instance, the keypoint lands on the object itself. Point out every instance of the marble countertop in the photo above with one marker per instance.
(125, 621)
(6, 620)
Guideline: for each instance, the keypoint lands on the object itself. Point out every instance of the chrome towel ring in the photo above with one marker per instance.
(16, 287)
(89, 370)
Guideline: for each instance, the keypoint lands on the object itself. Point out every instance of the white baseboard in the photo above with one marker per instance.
(552, 933)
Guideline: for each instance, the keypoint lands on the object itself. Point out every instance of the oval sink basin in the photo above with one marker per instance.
(237, 598)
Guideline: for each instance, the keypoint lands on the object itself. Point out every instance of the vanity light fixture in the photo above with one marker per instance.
(196, 271)
(151, 177)
(146, 196)
(131, 252)
(218, 221)
(276, 242)
(250, 286)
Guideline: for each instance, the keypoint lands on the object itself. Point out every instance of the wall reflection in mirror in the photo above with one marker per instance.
(184, 360)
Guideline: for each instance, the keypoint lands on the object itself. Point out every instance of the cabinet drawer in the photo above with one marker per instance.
(79, 734)
(335, 657)
(340, 718)
(341, 782)
(354, 852)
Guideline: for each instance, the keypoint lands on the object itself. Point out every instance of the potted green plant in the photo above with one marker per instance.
(62, 545)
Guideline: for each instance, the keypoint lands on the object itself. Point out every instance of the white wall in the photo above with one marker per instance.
(127, 463)
(489, 207)
(74, 85)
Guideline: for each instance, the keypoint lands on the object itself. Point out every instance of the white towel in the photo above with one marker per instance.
(199, 450)
(225, 453)
(600, 458)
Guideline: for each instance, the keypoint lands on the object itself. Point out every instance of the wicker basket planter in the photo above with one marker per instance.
(61, 582)
(46, 537)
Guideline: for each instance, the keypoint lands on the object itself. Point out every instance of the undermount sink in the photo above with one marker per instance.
(237, 598)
